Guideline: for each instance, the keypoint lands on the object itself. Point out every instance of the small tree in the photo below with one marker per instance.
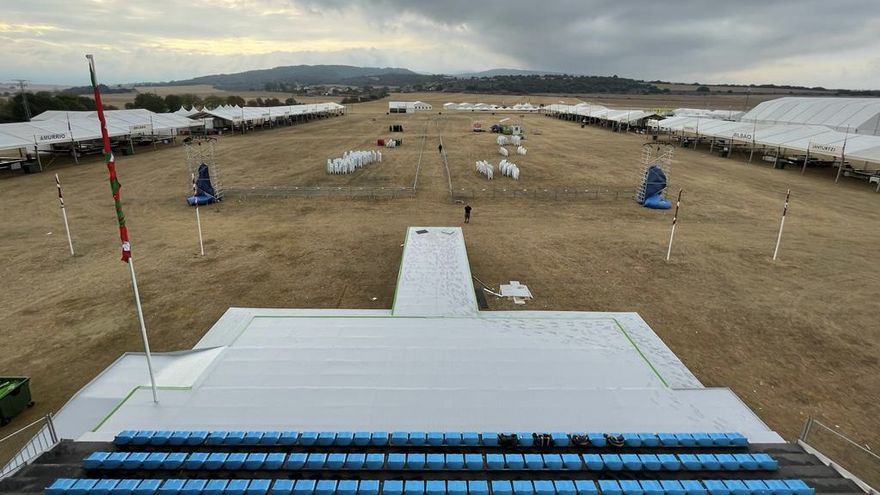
(173, 102)
(149, 101)
(235, 100)
(703, 89)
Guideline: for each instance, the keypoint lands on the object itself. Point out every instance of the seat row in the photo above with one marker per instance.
(399, 461)
(66, 486)
(452, 439)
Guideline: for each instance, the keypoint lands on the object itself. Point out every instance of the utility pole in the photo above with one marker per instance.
(27, 110)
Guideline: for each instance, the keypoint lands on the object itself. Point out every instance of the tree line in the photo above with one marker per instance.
(172, 103)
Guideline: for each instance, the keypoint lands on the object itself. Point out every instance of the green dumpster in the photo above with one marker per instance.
(15, 397)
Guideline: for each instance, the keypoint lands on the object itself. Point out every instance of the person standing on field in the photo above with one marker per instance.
(467, 213)
(440, 148)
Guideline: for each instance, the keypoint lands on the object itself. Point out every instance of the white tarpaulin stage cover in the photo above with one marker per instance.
(857, 115)
(236, 113)
(434, 362)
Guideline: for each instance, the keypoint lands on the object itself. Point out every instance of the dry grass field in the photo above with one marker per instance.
(793, 338)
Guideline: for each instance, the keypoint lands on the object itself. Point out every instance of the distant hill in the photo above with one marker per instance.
(507, 72)
(289, 75)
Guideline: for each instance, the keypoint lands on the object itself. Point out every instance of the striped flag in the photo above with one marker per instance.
(115, 186)
(60, 195)
(785, 207)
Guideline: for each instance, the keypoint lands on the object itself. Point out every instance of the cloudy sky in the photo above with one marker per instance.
(832, 43)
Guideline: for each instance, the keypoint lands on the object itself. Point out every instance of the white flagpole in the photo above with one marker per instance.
(842, 155)
(140, 313)
(198, 218)
(807, 159)
(781, 224)
(674, 220)
(64, 214)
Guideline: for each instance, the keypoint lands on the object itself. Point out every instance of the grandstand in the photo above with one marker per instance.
(431, 397)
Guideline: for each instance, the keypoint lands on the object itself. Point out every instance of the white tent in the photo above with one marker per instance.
(857, 115)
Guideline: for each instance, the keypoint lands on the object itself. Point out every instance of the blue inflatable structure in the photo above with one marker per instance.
(655, 184)
(205, 193)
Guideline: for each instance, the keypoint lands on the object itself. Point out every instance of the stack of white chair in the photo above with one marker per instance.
(521, 150)
(503, 151)
(391, 143)
(501, 140)
(509, 169)
(352, 161)
(516, 140)
(486, 168)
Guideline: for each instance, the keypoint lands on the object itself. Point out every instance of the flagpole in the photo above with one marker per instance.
(674, 220)
(842, 155)
(120, 217)
(198, 218)
(64, 214)
(781, 225)
(807, 159)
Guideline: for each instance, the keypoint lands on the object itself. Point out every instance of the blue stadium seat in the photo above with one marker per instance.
(379, 438)
(501, 487)
(473, 461)
(355, 461)
(560, 439)
(489, 438)
(124, 487)
(171, 487)
(470, 438)
(631, 462)
(610, 487)
(178, 437)
(435, 438)
(669, 462)
(195, 460)
(586, 487)
(174, 460)
(798, 487)
(197, 438)
(454, 461)
(594, 462)
(693, 487)
(736, 487)
(308, 438)
(414, 487)
(651, 487)
(630, 487)
(514, 461)
(672, 487)
(649, 439)
(316, 461)
(368, 487)
(632, 440)
(252, 438)
(134, 460)
(335, 461)
(193, 487)
(597, 439)
(215, 460)
(325, 487)
(702, 439)
(375, 461)
(685, 440)
(270, 438)
(719, 439)
(160, 438)
(415, 461)
(216, 438)
(728, 462)
(82, 487)
(456, 487)
(534, 461)
(282, 487)
(288, 437)
(572, 461)
(344, 439)
(612, 462)
(274, 461)
(553, 461)
(146, 487)
(304, 487)
(255, 460)
(215, 487)
(668, 439)
(565, 487)
(95, 460)
(435, 487)
(478, 487)
(361, 438)
(544, 487)
(392, 487)
(326, 438)
(766, 462)
(778, 487)
(523, 487)
(495, 461)
(399, 438)
(236, 487)
(347, 487)
(525, 439)
(142, 437)
(154, 460)
(296, 460)
(716, 487)
(417, 438)
(258, 487)
(650, 462)
(757, 487)
(395, 461)
(234, 461)
(103, 487)
(709, 462)
(690, 462)
(124, 437)
(452, 438)
(737, 439)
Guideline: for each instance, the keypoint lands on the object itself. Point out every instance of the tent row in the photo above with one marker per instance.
(600, 113)
(138, 121)
(261, 115)
(486, 107)
(708, 114)
(818, 139)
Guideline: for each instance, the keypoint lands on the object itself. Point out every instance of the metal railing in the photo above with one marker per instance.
(348, 192)
(851, 459)
(42, 438)
(544, 194)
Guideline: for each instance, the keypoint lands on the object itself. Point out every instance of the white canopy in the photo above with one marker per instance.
(260, 114)
(858, 115)
(134, 119)
(27, 134)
